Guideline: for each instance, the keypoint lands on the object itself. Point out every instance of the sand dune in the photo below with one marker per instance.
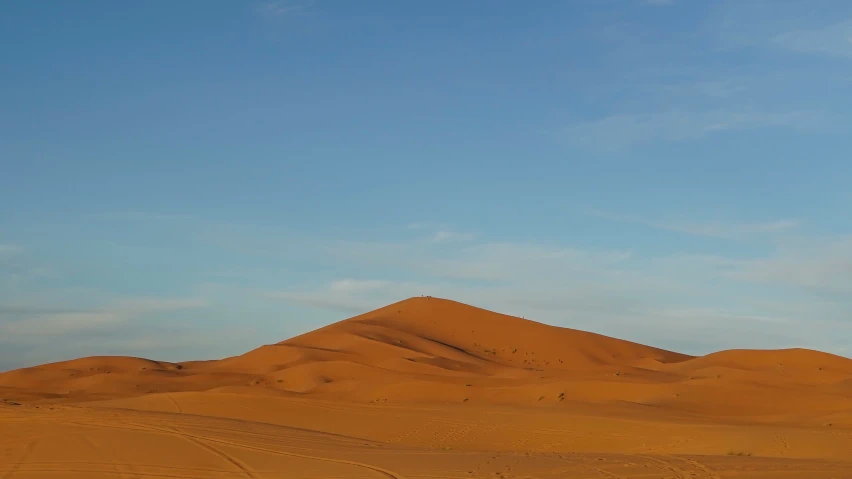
(426, 380)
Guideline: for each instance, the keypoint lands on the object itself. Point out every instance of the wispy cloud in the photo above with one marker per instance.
(23, 274)
(472, 260)
(727, 230)
(793, 27)
(139, 216)
(9, 249)
(55, 324)
(623, 130)
(133, 306)
(283, 8)
(445, 236)
(723, 230)
(820, 265)
(718, 89)
(325, 300)
(17, 268)
(830, 40)
(350, 296)
(25, 322)
(357, 285)
(441, 233)
(695, 88)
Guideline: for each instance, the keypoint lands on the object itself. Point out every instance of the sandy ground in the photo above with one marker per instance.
(429, 388)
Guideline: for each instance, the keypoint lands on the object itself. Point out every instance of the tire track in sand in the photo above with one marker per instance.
(227, 457)
(666, 466)
(597, 470)
(711, 474)
(96, 447)
(224, 455)
(206, 440)
(24, 455)
(177, 432)
(604, 473)
(180, 409)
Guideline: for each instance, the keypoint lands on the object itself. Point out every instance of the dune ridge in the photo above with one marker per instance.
(428, 349)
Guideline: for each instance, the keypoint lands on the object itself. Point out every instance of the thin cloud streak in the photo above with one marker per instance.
(139, 216)
(282, 8)
(9, 249)
(27, 323)
(831, 40)
(713, 230)
(616, 132)
(447, 236)
(441, 232)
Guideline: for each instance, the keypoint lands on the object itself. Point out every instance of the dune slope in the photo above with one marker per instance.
(430, 350)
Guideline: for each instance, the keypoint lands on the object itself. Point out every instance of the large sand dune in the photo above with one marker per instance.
(434, 388)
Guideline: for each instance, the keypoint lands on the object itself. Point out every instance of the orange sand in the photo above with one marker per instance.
(430, 388)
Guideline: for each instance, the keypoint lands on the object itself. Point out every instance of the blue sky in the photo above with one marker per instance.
(192, 179)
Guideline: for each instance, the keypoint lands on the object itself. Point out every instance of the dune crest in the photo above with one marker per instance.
(435, 350)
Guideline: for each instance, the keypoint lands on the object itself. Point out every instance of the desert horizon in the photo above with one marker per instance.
(429, 384)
